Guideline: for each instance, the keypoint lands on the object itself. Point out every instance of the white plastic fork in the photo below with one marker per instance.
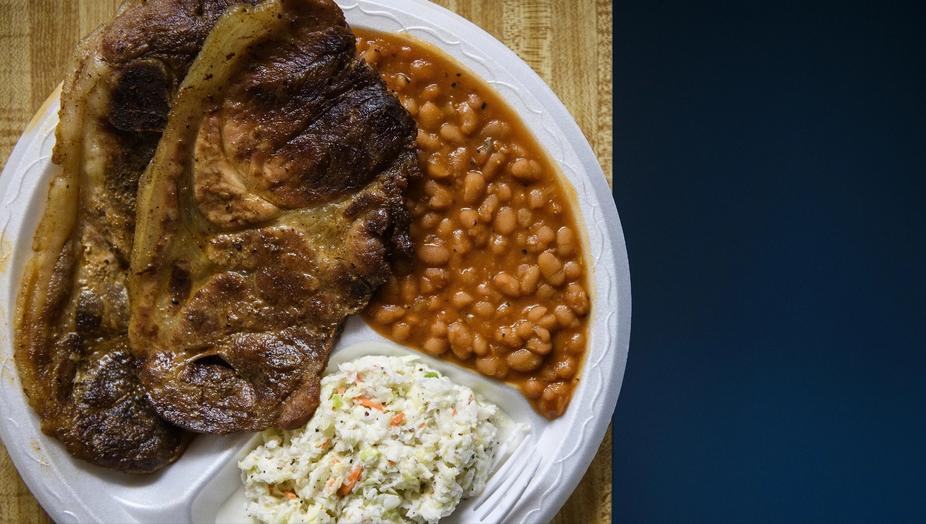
(516, 475)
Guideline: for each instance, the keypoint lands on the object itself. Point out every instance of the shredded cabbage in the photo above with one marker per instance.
(392, 441)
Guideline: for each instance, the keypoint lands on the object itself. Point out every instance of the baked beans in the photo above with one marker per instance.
(499, 280)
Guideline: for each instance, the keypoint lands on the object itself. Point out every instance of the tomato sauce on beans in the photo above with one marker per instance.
(499, 281)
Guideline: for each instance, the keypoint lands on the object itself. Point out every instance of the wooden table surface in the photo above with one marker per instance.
(568, 42)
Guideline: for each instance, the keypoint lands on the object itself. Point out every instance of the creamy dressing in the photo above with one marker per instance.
(509, 436)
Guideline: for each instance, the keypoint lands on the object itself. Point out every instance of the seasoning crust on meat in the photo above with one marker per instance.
(71, 344)
(267, 216)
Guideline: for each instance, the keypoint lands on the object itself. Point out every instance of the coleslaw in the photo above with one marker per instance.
(392, 441)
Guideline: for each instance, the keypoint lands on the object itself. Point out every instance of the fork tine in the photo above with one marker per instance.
(498, 494)
(515, 458)
(527, 479)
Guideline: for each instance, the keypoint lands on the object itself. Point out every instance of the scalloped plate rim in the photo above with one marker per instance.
(584, 174)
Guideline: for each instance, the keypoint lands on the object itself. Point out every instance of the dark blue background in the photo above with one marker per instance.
(770, 172)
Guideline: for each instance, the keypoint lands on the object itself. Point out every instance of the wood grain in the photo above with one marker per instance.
(567, 42)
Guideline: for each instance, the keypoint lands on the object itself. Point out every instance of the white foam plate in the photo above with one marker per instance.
(532, 483)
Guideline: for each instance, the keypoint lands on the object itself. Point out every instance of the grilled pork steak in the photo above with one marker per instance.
(266, 217)
(71, 336)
